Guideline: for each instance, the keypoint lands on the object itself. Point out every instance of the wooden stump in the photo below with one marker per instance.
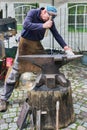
(45, 99)
(56, 88)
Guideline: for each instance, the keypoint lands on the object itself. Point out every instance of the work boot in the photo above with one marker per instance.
(3, 105)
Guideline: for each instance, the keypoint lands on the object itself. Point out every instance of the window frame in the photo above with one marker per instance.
(22, 14)
(77, 26)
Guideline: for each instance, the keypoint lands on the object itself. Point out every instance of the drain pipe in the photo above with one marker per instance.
(6, 7)
(52, 47)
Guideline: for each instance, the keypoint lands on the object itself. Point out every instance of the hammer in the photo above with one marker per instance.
(57, 115)
(51, 15)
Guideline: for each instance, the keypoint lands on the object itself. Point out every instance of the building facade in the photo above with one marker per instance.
(71, 20)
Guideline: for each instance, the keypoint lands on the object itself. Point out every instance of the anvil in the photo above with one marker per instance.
(50, 65)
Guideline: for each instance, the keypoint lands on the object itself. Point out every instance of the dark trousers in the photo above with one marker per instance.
(26, 47)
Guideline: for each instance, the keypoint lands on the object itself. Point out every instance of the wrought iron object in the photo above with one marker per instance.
(50, 65)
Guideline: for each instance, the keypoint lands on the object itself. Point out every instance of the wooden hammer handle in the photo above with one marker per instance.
(46, 32)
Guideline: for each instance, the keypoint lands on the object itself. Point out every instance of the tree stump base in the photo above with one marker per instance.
(44, 99)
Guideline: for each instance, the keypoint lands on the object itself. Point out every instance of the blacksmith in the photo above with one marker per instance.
(35, 25)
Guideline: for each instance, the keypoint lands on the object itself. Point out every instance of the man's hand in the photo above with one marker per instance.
(47, 24)
(68, 50)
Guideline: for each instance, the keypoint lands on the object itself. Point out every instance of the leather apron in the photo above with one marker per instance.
(28, 47)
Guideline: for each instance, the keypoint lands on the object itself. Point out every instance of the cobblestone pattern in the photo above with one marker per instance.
(77, 74)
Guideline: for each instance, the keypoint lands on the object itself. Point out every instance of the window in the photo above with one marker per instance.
(77, 17)
(21, 10)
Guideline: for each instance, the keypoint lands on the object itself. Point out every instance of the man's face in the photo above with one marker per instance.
(44, 15)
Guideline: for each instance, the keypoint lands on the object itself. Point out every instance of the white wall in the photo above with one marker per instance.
(11, 11)
(61, 25)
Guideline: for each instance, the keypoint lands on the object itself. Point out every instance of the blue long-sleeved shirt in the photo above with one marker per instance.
(33, 28)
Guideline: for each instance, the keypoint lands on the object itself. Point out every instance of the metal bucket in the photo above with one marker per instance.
(84, 58)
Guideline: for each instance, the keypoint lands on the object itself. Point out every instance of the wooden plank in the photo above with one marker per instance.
(23, 115)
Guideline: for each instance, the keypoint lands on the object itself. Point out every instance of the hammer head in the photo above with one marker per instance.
(52, 13)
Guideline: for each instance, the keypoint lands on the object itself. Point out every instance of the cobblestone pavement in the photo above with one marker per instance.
(77, 74)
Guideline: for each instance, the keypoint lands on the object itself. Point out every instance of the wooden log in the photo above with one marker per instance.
(46, 101)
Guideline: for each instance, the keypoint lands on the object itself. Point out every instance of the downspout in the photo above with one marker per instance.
(6, 7)
(52, 36)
